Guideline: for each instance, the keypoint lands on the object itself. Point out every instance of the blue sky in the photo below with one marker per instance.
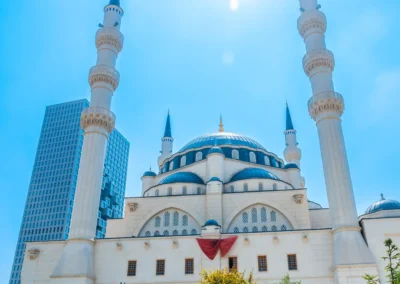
(200, 59)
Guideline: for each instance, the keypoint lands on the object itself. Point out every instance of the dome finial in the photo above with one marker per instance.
(221, 125)
(382, 197)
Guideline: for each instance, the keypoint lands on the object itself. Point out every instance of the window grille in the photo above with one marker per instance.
(255, 229)
(193, 232)
(160, 267)
(156, 233)
(236, 230)
(148, 234)
(292, 261)
(274, 229)
(254, 218)
(175, 219)
(283, 228)
(175, 233)
(273, 216)
(233, 263)
(157, 221)
(235, 154)
(262, 263)
(184, 232)
(189, 266)
(264, 229)
(245, 230)
(166, 219)
(263, 215)
(131, 268)
(166, 233)
(245, 217)
(184, 220)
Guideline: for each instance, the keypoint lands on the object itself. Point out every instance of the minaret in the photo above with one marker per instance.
(292, 153)
(221, 124)
(97, 121)
(166, 142)
(326, 108)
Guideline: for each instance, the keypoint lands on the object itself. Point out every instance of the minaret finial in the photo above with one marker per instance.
(168, 132)
(382, 197)
(289, 123)
(221, 125)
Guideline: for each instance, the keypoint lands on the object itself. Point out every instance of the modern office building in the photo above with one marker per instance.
(50, 200)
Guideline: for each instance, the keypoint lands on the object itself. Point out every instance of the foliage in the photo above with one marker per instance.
(393, 266)
(224, 276)
(286, 280)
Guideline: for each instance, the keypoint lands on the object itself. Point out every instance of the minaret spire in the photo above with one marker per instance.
(167, 131)
(326, 108)
(166, 142)
(292, 153)
(221, 124)
(115, 2)
(289, 123)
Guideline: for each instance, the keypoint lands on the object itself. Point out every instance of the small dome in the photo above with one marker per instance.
(149, 174)
(313, 205)
(291, 166)
(215, 150)
(214, 179)
(253, 173)
(184, 177)
(383, 204)
(211, 222)
(114, 2)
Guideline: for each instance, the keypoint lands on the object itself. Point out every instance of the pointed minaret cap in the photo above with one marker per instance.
(168, 132)
(221, 125)
(115, 2)
(289, 123)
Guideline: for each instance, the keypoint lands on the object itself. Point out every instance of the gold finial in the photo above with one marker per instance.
(221, 125)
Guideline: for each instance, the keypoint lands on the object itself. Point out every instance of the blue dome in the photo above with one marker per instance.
(149, 174)
(251, 173)
(383, 204)
(215, 150)
(291, 166)
(185, 177)
(214, 179)
(222, 138)
(114, 2)
(211, 222)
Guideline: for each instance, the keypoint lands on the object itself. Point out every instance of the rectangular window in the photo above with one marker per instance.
(233, 263)
(189, 266)
(160, 269)
(262, 263)
(131, 268)
(292, 261)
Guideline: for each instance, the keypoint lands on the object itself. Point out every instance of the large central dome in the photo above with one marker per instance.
(222, 138)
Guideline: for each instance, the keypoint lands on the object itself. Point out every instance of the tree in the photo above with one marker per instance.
(224, 276)
(393, 266)
(286, 280)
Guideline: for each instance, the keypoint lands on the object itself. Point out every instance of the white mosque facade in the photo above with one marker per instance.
(223, 200)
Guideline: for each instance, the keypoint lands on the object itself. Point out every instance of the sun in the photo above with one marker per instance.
(234, 4)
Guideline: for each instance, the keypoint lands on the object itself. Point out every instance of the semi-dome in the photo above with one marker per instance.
(214, 179)
(149, 174)
(383, 204)
(211, 222)
(215, 150)
(184, 177)
(253, 173)
(222, 138)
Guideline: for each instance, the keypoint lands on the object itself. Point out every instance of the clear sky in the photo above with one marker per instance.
(200, 59)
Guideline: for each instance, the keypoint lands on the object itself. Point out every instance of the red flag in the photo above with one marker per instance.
(210, 246)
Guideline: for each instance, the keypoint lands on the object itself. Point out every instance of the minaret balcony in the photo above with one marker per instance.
(316, 59)
(98, 116)
(109, 37)
(104, 74)
(311, 21)
(325, 102)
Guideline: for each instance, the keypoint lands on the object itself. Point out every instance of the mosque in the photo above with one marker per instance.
(222, 200)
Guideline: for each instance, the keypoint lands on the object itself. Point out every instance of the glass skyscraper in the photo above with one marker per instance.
(48, 207)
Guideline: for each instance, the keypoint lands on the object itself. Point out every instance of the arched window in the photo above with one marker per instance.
(255, 229)
(231, 188)
(266, 160)
(246, 187)
(157, 192)
(264, 229)
(184, 190)
(175, 233)
(169, 190)
(166, 233)
(252, 157)
(245, 217)
(183, 161)
(273, 216)
(156, 233)
(245, 230)
(254, 218)
(235, 154)
(175, 219)
(147, 234)
(157, 222)
(274, 186)
(166, 219)
(236, 230)
(199, 156)
(283, 228)
(193, 232)
(184, 220)
(199, 190)
(184, 232)
(171, 165)
(263, 215)
(260, 186)
(274, 229)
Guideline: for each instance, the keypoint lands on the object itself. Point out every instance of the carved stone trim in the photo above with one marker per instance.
(327, 101)
(146, 245)
(318, 58)
(175, 244)
(305, 238)
(298, 198)
(133, 206)
(119, 246)
(98, 116)
(275, 240)
(110, 36)
(33, 253)
(311, 22)
(105, 74)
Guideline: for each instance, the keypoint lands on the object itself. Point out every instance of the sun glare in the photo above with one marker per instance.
(234, 4)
